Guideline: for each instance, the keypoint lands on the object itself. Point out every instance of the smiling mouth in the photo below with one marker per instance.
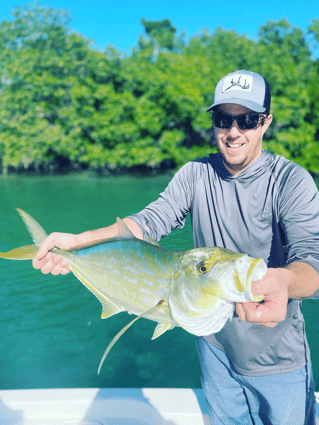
(234, 145)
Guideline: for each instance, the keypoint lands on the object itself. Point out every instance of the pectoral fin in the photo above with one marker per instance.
(160, 329)
(27, 252)
(109, 308)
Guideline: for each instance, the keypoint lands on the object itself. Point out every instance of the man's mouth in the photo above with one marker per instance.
(234, 145)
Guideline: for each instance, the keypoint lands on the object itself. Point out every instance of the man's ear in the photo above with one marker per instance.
(267, 123)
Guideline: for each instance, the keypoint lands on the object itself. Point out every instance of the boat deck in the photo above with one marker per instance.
(104, 406)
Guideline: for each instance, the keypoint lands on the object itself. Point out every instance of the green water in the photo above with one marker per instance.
(51, 333)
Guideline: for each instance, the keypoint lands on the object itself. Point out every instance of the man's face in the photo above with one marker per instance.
(239, 148)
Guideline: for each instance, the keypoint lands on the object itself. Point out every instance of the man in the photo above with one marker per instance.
(257, 369)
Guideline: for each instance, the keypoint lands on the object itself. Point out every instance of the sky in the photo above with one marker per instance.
(119, 22)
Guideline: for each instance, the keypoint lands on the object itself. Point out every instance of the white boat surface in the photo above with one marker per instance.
(106, 406)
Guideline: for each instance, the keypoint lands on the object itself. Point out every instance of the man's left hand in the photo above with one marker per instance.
(273, 309)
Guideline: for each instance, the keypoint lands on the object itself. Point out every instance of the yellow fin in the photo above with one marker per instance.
(119, 334)
(160, 329)
(26, 252)
(109, 308)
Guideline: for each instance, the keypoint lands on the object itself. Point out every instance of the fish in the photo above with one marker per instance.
(193, 289)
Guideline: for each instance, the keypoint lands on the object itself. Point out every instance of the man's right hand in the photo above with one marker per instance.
(50, 262)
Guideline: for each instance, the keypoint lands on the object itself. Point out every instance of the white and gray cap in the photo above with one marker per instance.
(243, 88)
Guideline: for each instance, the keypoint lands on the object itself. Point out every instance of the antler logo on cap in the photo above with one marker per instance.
(242, 82)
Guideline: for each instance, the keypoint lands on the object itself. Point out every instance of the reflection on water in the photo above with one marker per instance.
(51, 333)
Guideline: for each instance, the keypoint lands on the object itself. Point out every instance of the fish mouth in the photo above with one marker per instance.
(256, 271)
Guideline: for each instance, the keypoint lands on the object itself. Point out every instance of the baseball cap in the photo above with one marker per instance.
(243, 88)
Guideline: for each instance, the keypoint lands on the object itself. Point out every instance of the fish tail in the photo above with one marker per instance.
(27, 252)
(34, 228)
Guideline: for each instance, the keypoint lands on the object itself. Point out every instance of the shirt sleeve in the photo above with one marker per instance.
(299, 217)
(169, 211)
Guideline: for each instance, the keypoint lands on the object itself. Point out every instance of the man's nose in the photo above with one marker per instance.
(234, 130)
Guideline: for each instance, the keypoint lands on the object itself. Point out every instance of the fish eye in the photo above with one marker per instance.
(202, 268)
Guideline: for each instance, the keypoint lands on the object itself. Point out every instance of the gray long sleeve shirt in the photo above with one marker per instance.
(270, 210)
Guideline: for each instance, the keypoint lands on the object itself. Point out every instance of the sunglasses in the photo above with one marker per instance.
(246, 121)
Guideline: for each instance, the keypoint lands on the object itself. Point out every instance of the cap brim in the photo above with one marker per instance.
(242, 102)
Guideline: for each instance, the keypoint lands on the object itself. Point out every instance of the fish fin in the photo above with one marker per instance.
(161, 328)
(35, 230)
(27, 252)
(109, 308)
(148, 239)
(124, 232)
(122, 331)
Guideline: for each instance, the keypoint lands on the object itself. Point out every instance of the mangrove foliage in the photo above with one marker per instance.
(64, 104)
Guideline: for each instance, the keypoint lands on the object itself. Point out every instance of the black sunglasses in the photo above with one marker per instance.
(246, 121)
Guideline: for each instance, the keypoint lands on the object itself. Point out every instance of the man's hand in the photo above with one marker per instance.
(297, 280)
(50, 262)
(273, 309)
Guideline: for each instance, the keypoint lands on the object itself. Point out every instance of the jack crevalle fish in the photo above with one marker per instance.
(195, 289)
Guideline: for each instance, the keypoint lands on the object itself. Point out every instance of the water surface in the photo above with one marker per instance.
(51, 333)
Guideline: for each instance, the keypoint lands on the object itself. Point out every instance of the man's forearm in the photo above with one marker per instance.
(112, 231)
(303, 280)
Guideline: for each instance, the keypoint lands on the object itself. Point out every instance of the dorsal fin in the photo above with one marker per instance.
(124, 231)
